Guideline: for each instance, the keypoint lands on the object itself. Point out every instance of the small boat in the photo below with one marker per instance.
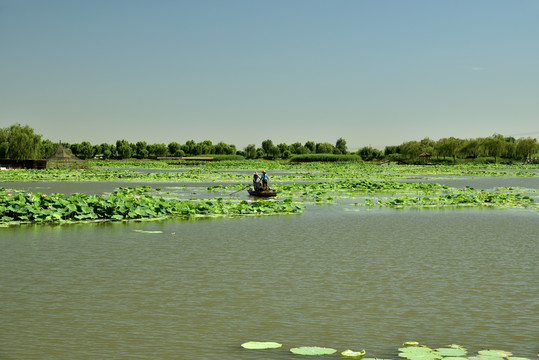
(262, 193)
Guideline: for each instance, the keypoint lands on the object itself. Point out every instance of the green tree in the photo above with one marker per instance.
(311, 147)
(250, 151)
(526, 147)
(20, 143)
(267, 145)
(410, 149)
(158, 150)
(341, 146)
(48, 149)
(325, 148)
(223, 149)
(449, 147)
(427, 146)
(298, 148)
(495, 146)
(260, 153)
(4, 143)
(190, 147)
(85, 150)
(123, 149)
(205, 147)
(368, 153)
(392, 149)
(174, 148)
(108, 150)
(471, 148)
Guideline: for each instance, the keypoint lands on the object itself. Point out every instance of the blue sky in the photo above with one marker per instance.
(374, 72)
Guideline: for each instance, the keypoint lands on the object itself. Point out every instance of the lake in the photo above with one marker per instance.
(331, 277)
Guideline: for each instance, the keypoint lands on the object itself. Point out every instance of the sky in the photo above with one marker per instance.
(373, 72)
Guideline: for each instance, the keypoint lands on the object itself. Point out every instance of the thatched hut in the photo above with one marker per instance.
(425, 158)
(62, 159)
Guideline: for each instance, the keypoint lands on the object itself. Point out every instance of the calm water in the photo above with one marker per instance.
(329, 277)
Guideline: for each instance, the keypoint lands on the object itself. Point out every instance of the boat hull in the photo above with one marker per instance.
(262, 193)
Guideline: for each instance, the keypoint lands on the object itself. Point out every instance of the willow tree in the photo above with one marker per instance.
(495, 145)
(20, 143)
(526, 147)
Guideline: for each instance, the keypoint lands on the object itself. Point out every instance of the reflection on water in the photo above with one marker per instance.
(370, 279)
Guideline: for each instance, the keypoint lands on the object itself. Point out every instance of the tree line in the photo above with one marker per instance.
(22, 143)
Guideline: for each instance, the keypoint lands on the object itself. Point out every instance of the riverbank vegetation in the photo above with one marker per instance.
(21, 143)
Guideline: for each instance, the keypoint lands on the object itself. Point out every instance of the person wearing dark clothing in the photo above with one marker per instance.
(255, 180)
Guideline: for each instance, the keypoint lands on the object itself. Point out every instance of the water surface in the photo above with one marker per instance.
(330, 277)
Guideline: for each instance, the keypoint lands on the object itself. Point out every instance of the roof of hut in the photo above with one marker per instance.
(64, 159)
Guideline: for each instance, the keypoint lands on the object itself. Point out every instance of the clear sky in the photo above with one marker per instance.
(374, 72)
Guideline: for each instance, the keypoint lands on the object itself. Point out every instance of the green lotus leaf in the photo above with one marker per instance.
(410, 343)
(455, 358)
(451, 352)
(496, 353)
(485, 357)
(420, 356)
(313, 350)
(517, 358)
(455, 346)
(258, 345)
(354, 354)
(416, 349)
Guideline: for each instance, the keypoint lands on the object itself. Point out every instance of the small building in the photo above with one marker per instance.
(425, 158)
(62, 159)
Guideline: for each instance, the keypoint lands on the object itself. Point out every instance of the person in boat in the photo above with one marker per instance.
(256, 183)
(264, 179)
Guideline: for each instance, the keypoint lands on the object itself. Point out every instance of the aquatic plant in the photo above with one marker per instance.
(411, 351)
(353, 354)
(313, 350)
(125, 204)
(261, 345)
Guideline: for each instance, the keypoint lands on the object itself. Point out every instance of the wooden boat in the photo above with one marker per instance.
(262, 193)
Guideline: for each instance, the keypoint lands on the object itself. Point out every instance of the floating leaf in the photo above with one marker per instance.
(258, 345)
(451, 352)
(410, 343)
(313, 350)
(455, 346)
(419, 353)
(354, 354)
(517, 358)
(485, 357)
(496, 353)
(416, 350)
(455, 358)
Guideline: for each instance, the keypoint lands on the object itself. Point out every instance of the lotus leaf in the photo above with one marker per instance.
(312, 350)
(454, 358)
(485, 357)
(420, 356)
(455, 346)
(261, 345)
(496, 353)
(354, 354)
(451, 352)
(410, 343)
(517, 358)
(416, 349)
